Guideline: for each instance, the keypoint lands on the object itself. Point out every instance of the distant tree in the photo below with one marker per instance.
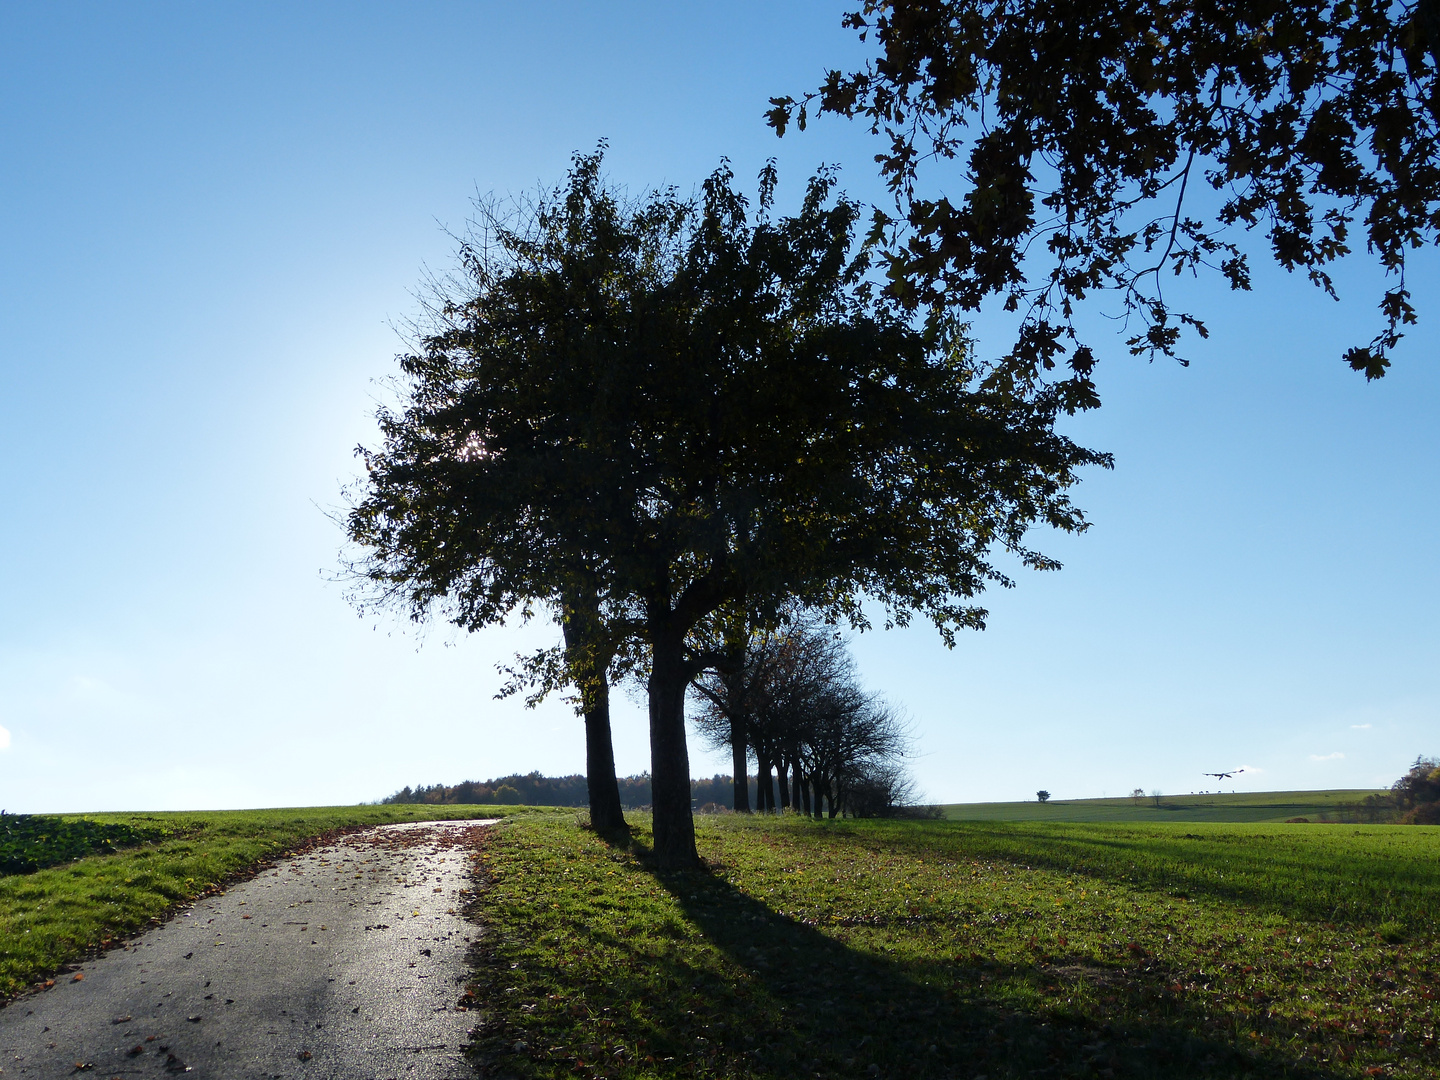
(1417, 793)
(660, 409)
(533, 789)
(1043, 795)
(1138, 795)
(853, 753)
(732, 695)
(1155, 797)
(797, 698)
(1085, 134)
(879, 788)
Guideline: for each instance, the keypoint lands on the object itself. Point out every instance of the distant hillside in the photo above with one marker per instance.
(535, 789)
(1261, 806)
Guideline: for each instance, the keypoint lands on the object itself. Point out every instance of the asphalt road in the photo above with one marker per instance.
(346, 962)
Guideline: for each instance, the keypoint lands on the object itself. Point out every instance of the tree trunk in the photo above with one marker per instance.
(795, 784)
(766, 794)
(606, 814)
(669, 758)
(588, 656)
(782, 771)
(806, 789)
(741, 766)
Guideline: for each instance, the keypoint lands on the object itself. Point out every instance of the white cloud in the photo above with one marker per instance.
(1361, 727)
(1327, 757)
(4, 739)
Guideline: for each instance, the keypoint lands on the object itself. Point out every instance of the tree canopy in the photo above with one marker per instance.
(670, 406)
(795, 699)
(1081, 134)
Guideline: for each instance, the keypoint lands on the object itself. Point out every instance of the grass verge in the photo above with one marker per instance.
(54, 916)
(947, 949)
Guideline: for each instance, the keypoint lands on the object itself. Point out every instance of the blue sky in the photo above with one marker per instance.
(214, 217)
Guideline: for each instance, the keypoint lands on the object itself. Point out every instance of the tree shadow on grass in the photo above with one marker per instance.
(847, 1009)
(789, 1001)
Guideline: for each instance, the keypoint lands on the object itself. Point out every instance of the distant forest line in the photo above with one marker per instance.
(534, 789)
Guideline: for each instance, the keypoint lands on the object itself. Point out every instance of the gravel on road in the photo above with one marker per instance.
(344, 963)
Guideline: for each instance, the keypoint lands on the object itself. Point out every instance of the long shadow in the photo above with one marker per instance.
(808, 1004)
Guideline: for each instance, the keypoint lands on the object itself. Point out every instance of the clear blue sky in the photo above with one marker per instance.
(211, 219)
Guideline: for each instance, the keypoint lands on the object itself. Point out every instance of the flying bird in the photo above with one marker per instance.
(1225, 775)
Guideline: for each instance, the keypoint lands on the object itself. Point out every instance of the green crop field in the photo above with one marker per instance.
(1256, 807)
(962, 949)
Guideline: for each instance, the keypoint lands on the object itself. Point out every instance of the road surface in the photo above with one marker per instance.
(347, 962)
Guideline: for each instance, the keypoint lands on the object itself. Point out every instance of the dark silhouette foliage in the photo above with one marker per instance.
(794, 700)
(534, 789)
(651, 411)
(1071, 139)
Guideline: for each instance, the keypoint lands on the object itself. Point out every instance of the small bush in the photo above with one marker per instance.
(1424, 814)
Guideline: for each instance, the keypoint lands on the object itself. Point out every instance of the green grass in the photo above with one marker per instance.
(1254, 807)
(30, 842)
(955, 949)
(54, 916)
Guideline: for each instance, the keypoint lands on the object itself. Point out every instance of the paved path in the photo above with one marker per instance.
(344, 963)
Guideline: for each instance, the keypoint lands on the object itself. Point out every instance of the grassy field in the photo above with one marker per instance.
(1253, 807)
(59, 914)
(962, 949)
(867, 949)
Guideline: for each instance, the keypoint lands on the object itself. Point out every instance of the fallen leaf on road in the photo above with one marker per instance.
(304, 1055)
(122, 1019)
(79, 976)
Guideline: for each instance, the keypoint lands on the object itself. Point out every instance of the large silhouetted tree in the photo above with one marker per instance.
(1045, 151)
(687, 405)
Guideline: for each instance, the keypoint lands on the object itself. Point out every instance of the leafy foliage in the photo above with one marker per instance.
(29, 842)
(1082, 132)
(677, 405)
(1417, 793)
